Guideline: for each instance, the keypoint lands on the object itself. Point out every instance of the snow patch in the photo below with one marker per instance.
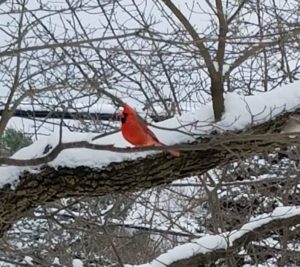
(77, 263)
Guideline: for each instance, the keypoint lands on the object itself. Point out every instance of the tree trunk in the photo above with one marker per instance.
(217, 93)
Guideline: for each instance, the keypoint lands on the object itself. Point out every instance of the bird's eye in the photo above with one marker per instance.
(123, 117)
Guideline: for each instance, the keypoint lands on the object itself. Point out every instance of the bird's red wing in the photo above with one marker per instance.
(145, 128)
(136, 132)
(140, 121)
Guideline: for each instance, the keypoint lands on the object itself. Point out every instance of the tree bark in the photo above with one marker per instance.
(49, 184)
(217, 94)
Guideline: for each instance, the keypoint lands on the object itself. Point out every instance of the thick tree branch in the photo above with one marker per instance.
(49, 184)
(233, 144)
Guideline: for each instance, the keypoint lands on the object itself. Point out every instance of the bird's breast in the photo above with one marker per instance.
(134, 133)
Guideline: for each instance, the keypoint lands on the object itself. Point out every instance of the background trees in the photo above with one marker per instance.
(164, 57)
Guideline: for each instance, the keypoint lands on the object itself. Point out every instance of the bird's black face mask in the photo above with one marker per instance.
(122, 116)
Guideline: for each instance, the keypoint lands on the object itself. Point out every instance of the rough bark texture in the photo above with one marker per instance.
(217, 93)
(49, 184)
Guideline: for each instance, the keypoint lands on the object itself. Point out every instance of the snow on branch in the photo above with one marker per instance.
(77, 149)
(212, 247)
(77, 165)
(217, 143)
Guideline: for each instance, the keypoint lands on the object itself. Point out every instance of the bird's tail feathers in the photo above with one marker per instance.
(173, 152)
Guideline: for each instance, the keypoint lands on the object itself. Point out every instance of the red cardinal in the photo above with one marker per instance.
(136, 132)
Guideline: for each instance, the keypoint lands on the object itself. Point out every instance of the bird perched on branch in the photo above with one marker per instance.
(135, 131)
